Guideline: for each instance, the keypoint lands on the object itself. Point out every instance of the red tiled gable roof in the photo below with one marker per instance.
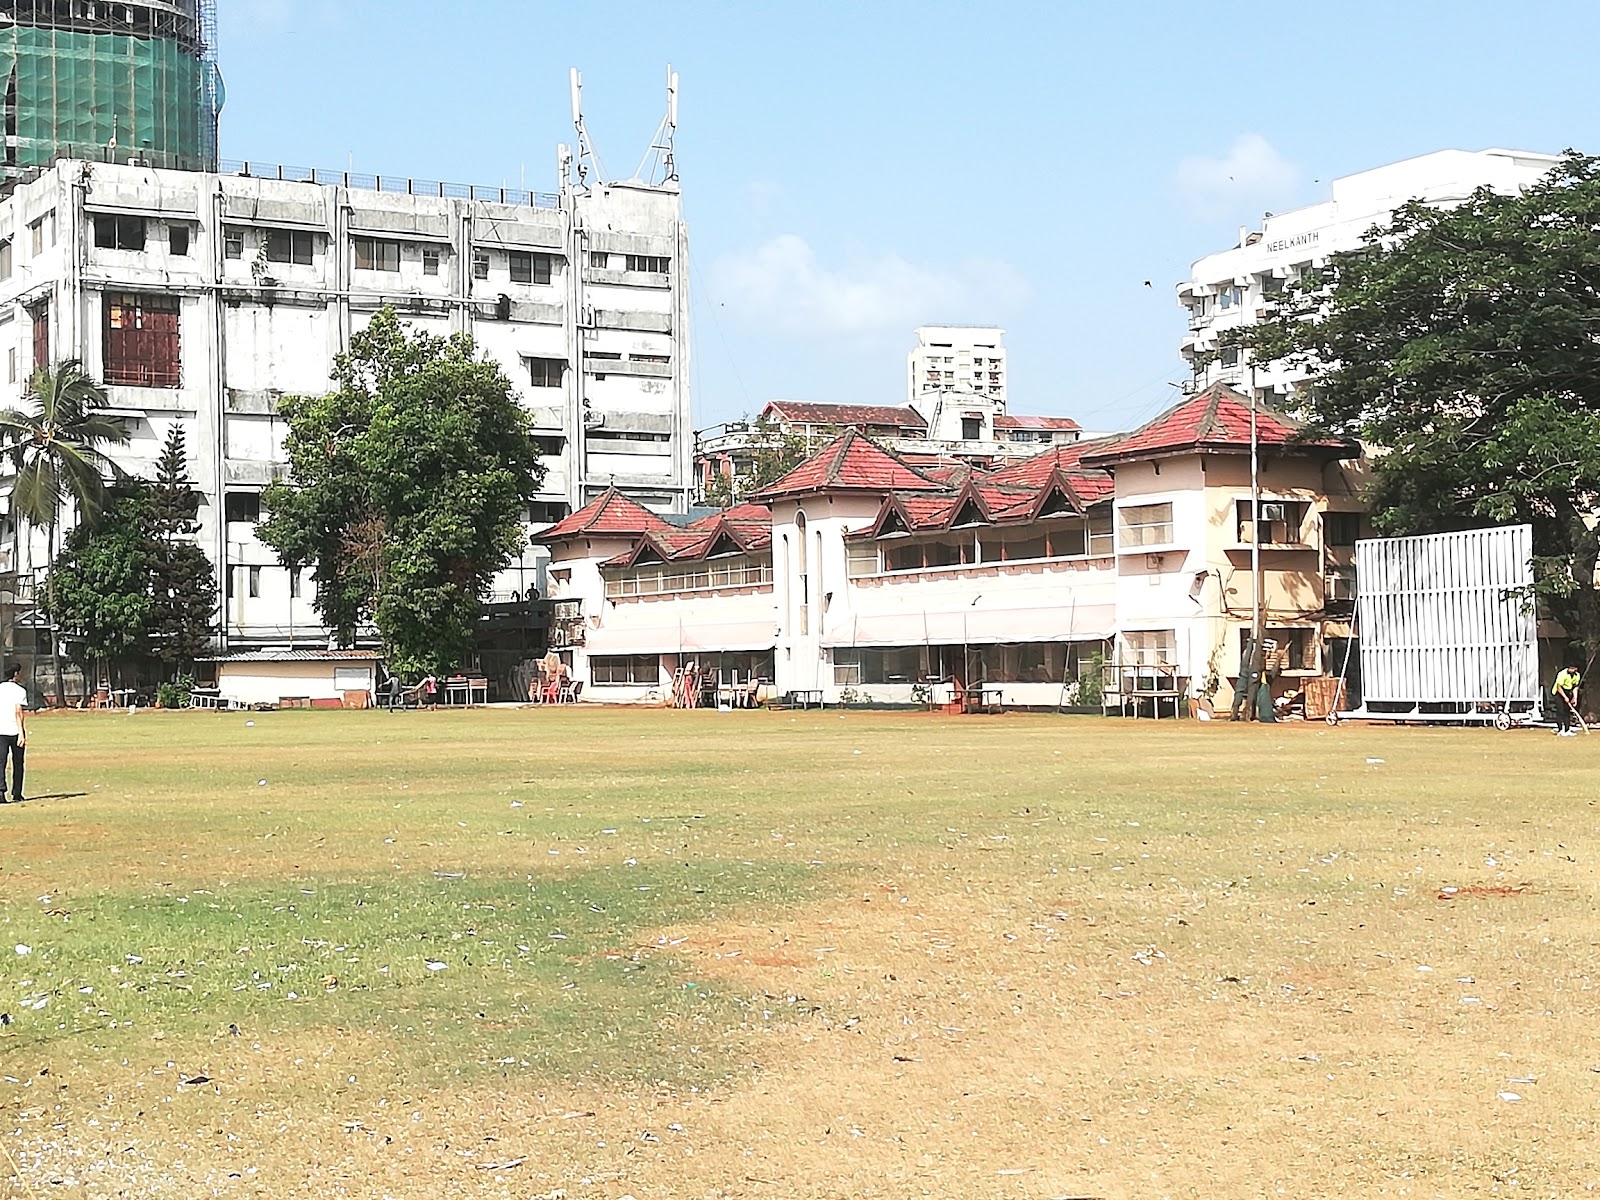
(810, 413)
(850, 463)
(1006, 421)
(666, 544)
(609, 514)
(1036, 471)
(1215, 419)
(745, 513)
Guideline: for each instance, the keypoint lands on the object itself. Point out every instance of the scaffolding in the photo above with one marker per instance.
(136, 78)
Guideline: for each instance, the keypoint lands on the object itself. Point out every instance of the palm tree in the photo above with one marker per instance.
(54, 443)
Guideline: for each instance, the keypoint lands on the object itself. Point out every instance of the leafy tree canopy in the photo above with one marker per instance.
(98, 594)
(407, 489)
(1461, 345)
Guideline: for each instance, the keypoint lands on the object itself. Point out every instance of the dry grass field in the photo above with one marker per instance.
(596, 954)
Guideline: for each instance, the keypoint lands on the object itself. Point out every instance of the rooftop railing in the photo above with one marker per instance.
(395, 184)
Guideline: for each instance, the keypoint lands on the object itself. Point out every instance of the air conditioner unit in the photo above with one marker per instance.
(1274, 512)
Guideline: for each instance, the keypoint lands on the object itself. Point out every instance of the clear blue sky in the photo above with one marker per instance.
(854, 169)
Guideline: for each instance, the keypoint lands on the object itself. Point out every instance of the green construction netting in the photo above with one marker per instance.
(75, 91)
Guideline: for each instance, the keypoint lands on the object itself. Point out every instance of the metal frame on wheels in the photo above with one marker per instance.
(1448, 629)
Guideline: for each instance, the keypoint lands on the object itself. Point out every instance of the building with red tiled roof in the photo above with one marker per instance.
(859, 572)
(851, 463)
(609, 514)
(1217, 419)
(873, 419)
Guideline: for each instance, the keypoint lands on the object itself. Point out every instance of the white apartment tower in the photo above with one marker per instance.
(1235, 287)
(957, 358)
(201, 298)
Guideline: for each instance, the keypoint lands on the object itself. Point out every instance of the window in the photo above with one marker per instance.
(241, 506)
(232, 242)
(860, 558)
(430, 260)
(141, 346)
(971, 428)
(651, 263)
(529, 268)
(253, 583)
(600, 259)
(119, 233)
(1146, 525)
(549, 444)
(547, 512)
(178, 240)
(1150, 647)
(1230, 356)
(377, 254)
(42, 232)
(296, 246)
(1280, 523)
(1100, 542)
(11, 365)
(1341, 528)
(480, 264)
(41, 334)
(1286, 649)
(1339, 587)
(625, 669)
(294, 583)
(5, 259)
(545, 372)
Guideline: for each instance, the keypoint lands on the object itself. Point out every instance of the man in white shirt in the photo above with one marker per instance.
(13, 730)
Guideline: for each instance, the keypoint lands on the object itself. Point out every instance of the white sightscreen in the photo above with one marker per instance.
(1436, 622)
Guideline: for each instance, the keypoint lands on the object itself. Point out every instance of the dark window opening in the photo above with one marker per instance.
(547, 512)
(119, 233)
(241, 506)
(651, 263)
(253, 584)
(480, 264)
(521, 267)
(430, 260)
(233, 242)
(550, 444)
(141, 340)
(971, 429)
(178, 240)
(545, 372)
(377, 254)
(1341, 528)
(41, 334)
(291, 246)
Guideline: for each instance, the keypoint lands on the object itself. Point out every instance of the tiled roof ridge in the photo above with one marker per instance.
(588, 518)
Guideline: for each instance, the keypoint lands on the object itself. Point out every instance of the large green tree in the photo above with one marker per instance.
(406, 491)
(183, 583)
(1463, 345)
(98, 591)
(56, 444)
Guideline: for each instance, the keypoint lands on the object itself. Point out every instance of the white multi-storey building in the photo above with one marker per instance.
(957, 358)
(200, 299)
(1235, 287)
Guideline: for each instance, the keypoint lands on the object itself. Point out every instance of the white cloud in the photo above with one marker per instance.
(781, 284)
(1252, 174)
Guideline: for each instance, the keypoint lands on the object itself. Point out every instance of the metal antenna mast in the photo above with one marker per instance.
(663, 168)
(586, 159)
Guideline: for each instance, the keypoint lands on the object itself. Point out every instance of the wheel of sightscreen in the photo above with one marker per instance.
(1502, 721)
(1332, 718)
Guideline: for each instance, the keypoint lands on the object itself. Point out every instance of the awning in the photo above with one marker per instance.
(977, 626)
(670, 639)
